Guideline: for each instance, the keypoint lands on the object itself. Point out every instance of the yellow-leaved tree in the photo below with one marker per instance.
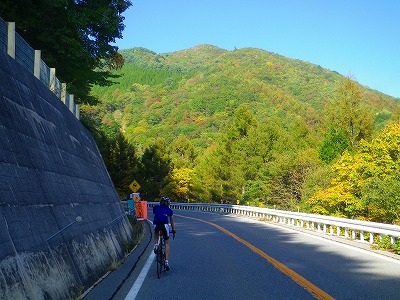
(366, 183)
(178, 184)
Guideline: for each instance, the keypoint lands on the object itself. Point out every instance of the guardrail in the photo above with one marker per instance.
(362, 231)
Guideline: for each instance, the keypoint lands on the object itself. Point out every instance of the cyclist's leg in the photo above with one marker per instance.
(167, 249)
(155, 234)
(156, 229)
(166, 239)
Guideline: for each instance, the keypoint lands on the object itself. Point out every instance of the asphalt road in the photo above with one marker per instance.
(235, 258)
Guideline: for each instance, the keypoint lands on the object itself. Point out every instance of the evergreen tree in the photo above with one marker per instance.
(333, 145)
(154, 168)
(75, 37)
(347, 112)
(122, 164)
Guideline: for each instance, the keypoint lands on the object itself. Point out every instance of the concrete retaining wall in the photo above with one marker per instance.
(51, 177)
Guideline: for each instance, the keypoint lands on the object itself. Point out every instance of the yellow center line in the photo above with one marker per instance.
(314, 290)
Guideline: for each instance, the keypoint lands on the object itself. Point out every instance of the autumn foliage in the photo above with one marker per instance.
(366, 183)
(250, 127)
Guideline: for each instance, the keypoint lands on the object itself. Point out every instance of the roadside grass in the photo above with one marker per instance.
(138, 231)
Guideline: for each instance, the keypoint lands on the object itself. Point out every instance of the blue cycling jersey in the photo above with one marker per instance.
(161, 214)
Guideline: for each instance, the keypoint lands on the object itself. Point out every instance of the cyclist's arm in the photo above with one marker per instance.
(172, 222)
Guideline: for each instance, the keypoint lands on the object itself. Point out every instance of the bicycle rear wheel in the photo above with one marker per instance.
(160, 260)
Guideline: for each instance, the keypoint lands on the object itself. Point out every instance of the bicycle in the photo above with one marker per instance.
(160, 255)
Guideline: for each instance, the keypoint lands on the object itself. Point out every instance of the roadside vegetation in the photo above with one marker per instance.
(249, 127)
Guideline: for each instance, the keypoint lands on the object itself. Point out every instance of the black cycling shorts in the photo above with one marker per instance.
(164, 228)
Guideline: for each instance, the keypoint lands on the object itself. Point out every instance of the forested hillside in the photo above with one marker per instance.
(245, 126)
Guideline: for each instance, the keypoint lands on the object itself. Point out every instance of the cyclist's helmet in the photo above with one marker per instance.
(165, 201)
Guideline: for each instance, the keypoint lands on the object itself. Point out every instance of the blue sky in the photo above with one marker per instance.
(358, 38)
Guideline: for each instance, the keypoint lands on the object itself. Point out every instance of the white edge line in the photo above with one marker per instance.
(142, 276)
(140, 279)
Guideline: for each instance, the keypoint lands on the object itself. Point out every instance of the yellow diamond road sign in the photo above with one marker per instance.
(134, 186)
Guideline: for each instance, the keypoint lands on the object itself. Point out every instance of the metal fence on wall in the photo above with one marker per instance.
(13, 44)
(3, 36)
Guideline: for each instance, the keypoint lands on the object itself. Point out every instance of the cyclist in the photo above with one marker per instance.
(161, 213)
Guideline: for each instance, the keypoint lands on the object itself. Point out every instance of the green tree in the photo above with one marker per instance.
(208, 176)
(182, 152)
(257, 193)
(318, 179)
(333, 145)
(381, 198)
(233, 165)
(242, 122)
(287, 175)
(396, 115)
(347, 112)
(91, 119)
(121, 164)
(75, 37)
(235, 153)
(154, 167)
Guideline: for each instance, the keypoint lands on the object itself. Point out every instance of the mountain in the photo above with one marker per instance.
(220, 102)
(195, 91)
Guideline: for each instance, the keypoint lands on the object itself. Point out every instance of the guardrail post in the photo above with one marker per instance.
(63, 92)
(52, 80)
(77, 111)
(11, 39)
(338, 231)
(71, 103)
(36, 65)
(346, 232)
(362, 235)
